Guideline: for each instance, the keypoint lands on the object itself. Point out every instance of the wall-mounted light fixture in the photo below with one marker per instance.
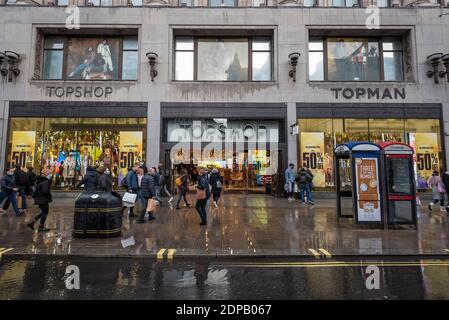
(8, 64)
(294, 56)
(434, 60)
(152, 59)
(445, 60)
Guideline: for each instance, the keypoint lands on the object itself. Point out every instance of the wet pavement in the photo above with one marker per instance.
(264, 279)
(243, 225)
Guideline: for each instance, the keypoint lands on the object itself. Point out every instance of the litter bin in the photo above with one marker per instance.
(98, 215)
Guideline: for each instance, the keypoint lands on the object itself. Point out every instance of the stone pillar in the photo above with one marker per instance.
(292, 140)
(153, 133)
(4, 111)
(445, 130)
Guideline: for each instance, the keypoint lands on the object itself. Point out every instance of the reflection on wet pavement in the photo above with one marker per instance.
(242, 225)
(126, 278)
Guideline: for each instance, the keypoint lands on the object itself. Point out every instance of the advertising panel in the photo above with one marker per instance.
(368, 194)
(22, 149)
(312, 155)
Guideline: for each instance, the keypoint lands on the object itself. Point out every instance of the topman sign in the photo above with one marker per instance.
(369, 93)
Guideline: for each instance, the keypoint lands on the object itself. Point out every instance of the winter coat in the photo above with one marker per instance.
(105, 183)
(90, 180)
(445, 180)
(203, 183)
(304, 177)
(21, 178)
(42, 194)
(214, 178)
(289, 175)
(131, 181)
(434, 182)
(157, 178)
(8, 183)
(148, 186)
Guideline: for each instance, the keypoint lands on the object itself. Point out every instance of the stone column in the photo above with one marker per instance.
(292, 140)
(153, 133)
(445, 130)
(4, 111)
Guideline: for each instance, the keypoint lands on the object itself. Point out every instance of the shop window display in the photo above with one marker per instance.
(318, 138)
(69, 145)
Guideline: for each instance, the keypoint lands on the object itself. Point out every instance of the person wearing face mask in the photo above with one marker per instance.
(42, 197)
(290, 177)
(8, 191)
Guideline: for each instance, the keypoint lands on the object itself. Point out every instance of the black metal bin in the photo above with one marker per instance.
(98, 215)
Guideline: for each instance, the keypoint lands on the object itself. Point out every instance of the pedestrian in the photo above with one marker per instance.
(202, 196)
(148, 194)
(436, 184)
(131, 184)
(42, 197)
(157, 185)
(22, 183)
(90, 180)
(8, 191)
(104, 180)
(31, 180)
(216, 182)
(290, 177)
(163, 180)
(445, 180)
(305, 180)
(182, 183)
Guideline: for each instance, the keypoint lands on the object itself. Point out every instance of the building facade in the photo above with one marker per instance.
(237, 85)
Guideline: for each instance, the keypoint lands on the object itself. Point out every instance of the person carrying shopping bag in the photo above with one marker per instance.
(42, 197)
(148, 186)
(202, 195)
(438, 191)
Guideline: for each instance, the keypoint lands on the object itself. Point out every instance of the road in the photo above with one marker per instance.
(132, 278)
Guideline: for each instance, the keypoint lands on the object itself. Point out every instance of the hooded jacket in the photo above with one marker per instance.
(42, 194)
(90, 180)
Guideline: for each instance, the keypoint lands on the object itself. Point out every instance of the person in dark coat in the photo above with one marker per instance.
(445, 180)
(8, 191)
(216, 182)
(183, 189)
(200, 205)
(22, 183)
(31, 179)
(148, 186)
(90, 180)
(104, 180)
(42, 198)
(131, 184)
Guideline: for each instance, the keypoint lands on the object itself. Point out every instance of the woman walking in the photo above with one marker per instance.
(202, 195)
(42, 198)
(438, 191)
(216, 181)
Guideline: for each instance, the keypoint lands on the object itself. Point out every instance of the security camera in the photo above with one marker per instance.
(434, 57)
(445, 58)
(12, 56)
(3, 59)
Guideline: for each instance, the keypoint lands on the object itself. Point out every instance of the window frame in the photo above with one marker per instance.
(345, 6)
(222, 1)
(64, 76)
(379, 41)
(265, 4)
(64, 55)
(250, 57)
(180, 4)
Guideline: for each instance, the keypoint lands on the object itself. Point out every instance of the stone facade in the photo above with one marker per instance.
(155, 25)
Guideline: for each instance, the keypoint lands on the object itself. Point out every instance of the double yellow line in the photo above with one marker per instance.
(4, 250)
(170, 254)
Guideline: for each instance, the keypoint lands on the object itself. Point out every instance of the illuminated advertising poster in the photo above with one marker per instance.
(312, 155)
(22, 149)
(130, 149)
(426, 156)
(368, 195)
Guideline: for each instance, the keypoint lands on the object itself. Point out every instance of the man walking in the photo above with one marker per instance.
(131, 184)
(148, 192)
(305, 179)
(182, 182)
(8, 190)
(290, 181)
(203, 195)
(163, 180)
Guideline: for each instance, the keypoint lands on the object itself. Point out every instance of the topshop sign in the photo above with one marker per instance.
(369, 93)
(78, 92)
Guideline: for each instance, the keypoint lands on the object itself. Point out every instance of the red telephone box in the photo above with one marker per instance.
(399, 189)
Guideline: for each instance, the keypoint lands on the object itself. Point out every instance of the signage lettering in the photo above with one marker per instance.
(79, 92)
(370, 93)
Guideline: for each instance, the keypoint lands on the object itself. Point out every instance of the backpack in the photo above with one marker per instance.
(178, 181)
(304, 178)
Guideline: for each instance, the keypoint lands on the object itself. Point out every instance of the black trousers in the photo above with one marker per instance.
(201, 208)
(43, 215)
(216, 196)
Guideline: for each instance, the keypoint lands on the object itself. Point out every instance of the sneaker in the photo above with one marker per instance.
(170, 200)
(151, 218)
(20, 213)
(302, 202)
(311, 202)
(31, 225)
(215, 204)
(178, 208)
(42, 229)
(430, 207)
(203, 223)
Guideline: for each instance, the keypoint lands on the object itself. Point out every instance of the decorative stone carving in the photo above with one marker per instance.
(38, 55)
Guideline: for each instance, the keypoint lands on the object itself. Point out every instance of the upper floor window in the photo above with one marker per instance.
(88, 58)
(356, 59)
(259, 3)
(309, 3)
(345, 3)
(62, 3)
(100, 3)
(383, 3)
(223, 59)
(222, 3)
(136, 3)
(186, 3)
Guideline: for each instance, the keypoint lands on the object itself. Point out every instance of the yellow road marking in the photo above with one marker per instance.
(170, 254)
(327, 265)
(326, 253)
(447, 250)
(3, 250)
(315, 253)
(160, 254)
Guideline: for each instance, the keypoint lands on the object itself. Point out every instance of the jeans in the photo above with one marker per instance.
(22, 192)
(216, 196)
(291, 189)
(143, 211)
(201, 208)
(11, 196)
(165, 190)
(158, 194)
(305, 189)
(182, 194)
(43, 215)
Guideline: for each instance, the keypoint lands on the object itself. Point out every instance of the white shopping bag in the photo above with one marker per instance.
(129, 199)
